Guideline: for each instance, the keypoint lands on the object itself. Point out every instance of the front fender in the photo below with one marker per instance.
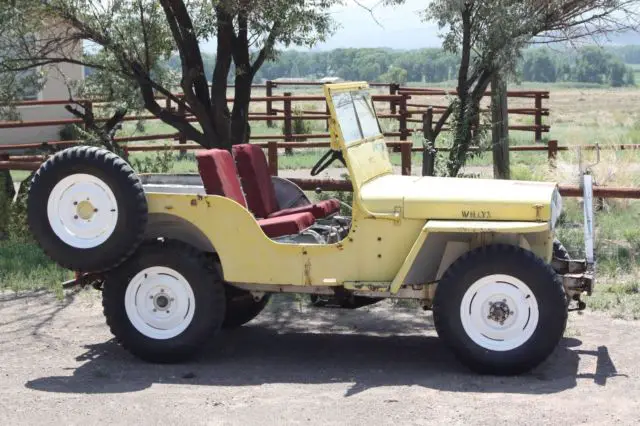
(441, 242)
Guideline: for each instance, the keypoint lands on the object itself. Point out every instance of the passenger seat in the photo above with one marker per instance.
(219, 175)
(258, 188)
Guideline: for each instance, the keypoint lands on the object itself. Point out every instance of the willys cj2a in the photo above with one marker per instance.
(180, 257)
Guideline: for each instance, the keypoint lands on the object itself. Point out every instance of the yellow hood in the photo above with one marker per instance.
(455, 198)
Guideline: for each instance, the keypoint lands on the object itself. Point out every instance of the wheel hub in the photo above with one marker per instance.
(162, 301)
(499, 311)
(85, 209)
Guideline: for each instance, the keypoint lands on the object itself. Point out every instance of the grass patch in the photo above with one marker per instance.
(24, 267)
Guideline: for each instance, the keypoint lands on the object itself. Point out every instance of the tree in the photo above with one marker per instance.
(617, 73)
(394, 75)
(130, 41)
(490, 35)
(539, 66)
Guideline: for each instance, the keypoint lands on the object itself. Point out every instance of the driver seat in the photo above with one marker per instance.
(258, 188)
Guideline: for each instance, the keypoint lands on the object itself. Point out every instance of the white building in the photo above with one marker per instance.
(55, 88)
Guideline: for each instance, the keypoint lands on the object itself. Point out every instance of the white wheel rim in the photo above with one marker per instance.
(159, 302)
(499, 312)
(82, 211)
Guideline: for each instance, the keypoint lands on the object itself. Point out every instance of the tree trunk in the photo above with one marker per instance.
(240, 130)
(500, 128)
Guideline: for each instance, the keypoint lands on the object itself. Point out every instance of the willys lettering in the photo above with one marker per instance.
(476, 214)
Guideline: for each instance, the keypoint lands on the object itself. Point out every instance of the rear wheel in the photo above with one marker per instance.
(500, 309)
(242, 307)
(164, 302)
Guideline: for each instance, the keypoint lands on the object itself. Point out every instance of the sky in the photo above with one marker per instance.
(400, 27)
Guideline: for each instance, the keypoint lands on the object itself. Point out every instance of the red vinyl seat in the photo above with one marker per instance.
(220, 177)
(258, 188)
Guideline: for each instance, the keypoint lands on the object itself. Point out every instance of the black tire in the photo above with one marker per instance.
(524, 266)
(241, 307)
(130, 199)
(208, 296)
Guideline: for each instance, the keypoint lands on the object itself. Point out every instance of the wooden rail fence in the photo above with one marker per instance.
(403, 104)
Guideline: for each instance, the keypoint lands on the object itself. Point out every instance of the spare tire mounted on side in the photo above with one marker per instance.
(87, 209)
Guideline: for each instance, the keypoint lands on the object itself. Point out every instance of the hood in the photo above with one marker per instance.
(459, 199)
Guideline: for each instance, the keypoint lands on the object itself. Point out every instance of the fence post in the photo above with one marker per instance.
(393, 90)
(500, 127)
(181, 137)
(328, 114)
(429, 151)
(269, 94)
(552, 153)
(405, 157)
(403, 118)
(272, 156)
(288, 123)
(167, 104)
(538, 120)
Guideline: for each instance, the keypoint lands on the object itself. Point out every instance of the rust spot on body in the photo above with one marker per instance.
(307, 272)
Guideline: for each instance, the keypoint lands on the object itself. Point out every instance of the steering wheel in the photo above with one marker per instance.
(326, 160)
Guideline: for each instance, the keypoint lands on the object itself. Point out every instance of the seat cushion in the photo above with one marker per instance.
(256, 179)
(318, 210)
(286, 225)
(219, 174)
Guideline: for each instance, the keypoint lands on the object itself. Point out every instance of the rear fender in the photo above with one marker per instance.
(440, 243)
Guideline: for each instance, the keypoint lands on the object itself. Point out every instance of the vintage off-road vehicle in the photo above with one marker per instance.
(179, 257)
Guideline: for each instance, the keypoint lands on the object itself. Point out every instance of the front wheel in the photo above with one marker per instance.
(164, 302)
(500, 309)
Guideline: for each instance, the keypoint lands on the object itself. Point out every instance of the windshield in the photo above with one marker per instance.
(356, 115)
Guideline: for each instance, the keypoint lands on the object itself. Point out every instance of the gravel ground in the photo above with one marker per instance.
(297, 365)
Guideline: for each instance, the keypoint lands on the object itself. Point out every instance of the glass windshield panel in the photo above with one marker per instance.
(366, 114)
(346, 115)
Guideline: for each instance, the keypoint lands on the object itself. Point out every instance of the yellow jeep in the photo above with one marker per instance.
(179, 257)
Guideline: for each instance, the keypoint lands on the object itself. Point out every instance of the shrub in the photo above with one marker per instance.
(159, 162)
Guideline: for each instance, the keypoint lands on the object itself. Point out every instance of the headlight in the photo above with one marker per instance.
(556, 208)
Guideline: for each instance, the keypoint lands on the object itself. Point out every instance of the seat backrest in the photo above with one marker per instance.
(219, 174)
(256, 180)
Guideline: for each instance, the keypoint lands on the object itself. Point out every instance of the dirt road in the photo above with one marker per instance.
(297, 365)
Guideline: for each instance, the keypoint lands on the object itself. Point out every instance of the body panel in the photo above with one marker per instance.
(374, 250)
(457, 198)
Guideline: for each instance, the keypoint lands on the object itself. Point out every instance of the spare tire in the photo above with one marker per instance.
(87, 209)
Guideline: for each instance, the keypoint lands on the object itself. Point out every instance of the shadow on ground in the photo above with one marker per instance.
(280, 350)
